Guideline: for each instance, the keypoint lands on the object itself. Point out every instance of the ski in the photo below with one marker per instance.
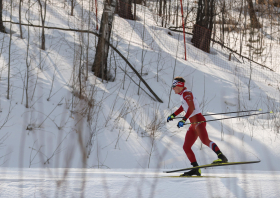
(175, 176)
(196, 176)
(213, 165)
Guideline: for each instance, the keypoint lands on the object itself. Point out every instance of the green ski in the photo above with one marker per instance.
(213, 165)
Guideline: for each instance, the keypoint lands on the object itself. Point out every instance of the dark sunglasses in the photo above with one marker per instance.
(173, 86)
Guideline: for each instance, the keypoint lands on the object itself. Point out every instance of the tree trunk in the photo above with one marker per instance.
(2, 28)
(19, 19)
(100, 61)
(43, 17)
(72, 8)
(160, 8)
(205, 13)
(253, 18)
(10, 46)
(124, 9)
(204, 24)
(163, 13)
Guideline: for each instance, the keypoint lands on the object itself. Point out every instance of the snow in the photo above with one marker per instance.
(136, 183)
(114, 142)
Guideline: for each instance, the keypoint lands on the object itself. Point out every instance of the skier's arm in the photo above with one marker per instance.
(188, 97)
(178, 111)
(173, 115)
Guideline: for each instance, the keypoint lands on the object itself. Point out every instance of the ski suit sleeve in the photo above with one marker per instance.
(188, 97)
(178, 111)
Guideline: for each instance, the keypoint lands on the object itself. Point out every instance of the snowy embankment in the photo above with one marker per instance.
(124, 133)
(135, 183)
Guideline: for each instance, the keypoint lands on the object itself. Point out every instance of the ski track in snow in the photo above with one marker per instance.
(136, 183)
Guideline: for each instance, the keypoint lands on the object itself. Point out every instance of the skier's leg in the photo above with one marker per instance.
(190, 138)
(203, 135)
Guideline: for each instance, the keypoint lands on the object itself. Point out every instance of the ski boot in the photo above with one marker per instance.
(221, 159)
(192, 172)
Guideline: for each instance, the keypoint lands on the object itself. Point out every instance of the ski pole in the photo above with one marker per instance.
(229, 118)
(231, 112)
(226, 113)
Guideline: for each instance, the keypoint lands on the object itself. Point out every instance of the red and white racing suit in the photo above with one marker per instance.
(191, 106)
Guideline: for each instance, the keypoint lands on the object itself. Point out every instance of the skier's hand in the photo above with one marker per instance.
(181, 123)
(170, 118)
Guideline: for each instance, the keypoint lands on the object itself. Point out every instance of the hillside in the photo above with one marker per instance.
(114, 125)
(121, 128)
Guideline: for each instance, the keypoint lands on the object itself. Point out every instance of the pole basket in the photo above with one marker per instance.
(201, 38)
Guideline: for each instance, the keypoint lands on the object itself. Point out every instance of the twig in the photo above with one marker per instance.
(50, 113)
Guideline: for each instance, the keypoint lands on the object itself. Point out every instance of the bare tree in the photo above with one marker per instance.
(160, 8)
(19, 18)
(10, 46)
(87, 46)
(43, 12)
(28, 62)
(124, 9)
(253, 18)
(2, 28)
(154, 131)
(204, 24)
(72, 7)
(143, 51)
(100, 62)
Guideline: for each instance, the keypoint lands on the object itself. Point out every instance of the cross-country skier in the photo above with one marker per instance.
(197, 129)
